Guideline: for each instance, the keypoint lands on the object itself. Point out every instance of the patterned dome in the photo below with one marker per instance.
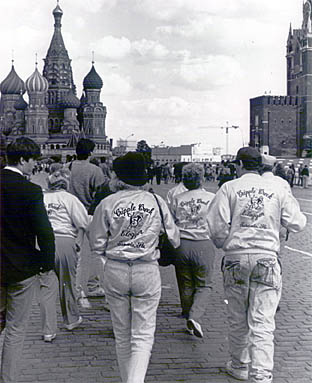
(92, 80)
(71, 101)
(20, 104)
(37, 83)
(12, 84)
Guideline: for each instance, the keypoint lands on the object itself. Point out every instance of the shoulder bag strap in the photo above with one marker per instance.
(161, 214)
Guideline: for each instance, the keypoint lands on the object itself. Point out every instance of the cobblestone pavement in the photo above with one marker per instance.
(87, 354)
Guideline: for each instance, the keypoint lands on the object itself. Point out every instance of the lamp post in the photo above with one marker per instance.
(227, 135)
(126, 140)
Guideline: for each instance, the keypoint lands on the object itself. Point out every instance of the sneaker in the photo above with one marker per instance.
(196, 327)
(268, 379)
(237, 373)
(49, 338)
(190, 332)
(74, 325)
(84, 303)
(97, 292)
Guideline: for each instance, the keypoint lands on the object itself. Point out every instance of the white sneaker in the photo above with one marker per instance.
(49, 338)
(97, 292)
(196, 327)
(190, 332)
(237, 373)
(74, 325)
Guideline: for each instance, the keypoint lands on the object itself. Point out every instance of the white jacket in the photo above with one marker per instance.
(126, 226)
(66, 213)
(178, 189)
(189, 210)
(246, 215)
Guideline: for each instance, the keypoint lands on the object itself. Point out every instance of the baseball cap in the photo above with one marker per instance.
(268, 160)
(250, 157)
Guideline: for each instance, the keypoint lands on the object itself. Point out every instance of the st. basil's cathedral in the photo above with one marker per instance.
(54, 117)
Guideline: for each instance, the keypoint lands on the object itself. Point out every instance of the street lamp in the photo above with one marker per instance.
(227, 135)
(126, 140)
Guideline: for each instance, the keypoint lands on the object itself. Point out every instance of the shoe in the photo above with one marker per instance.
(190, 332)
(74, 325)
(84, 303)
(97, 292)
(196, 327)
(237, 373)
(106, 306)
(49, 338)
(268, 379)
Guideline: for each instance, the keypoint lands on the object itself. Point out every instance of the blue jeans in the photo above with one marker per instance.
(194, 266)
(16, 301)
(253, 286)
(133, 292)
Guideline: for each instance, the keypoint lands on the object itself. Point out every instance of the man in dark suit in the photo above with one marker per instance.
(24, 222)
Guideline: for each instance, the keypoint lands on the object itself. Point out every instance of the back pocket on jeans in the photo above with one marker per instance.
(267, 272)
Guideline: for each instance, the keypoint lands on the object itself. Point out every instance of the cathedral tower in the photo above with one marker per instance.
(37, 113)
(57, 70)
(299, 73)
(93, 112)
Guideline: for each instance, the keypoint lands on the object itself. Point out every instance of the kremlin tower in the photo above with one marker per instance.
(54, 116)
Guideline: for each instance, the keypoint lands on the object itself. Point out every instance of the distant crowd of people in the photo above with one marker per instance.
(111, 217)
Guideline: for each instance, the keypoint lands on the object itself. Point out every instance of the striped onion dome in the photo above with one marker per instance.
(12, 84)
(92, 80)
(37, 83)
(71, 101)
(20, 104)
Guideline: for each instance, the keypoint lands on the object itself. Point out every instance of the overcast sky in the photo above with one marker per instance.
(174, 71)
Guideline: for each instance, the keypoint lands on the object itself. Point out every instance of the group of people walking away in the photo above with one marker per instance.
(42, 235)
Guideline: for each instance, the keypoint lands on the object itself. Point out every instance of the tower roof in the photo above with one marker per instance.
(71, 101)
(20, 104)
(37, 83)
(12, 84)
(92, 80)
(57, 46)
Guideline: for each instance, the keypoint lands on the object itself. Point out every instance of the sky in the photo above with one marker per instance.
(175, 72)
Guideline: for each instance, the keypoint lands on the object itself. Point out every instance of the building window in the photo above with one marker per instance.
(52, 146)
(282, 121)
(57, 146)
(290, 120)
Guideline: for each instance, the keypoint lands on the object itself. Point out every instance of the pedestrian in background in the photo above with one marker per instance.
(24, 222)
(194, 260)
(125, 230)
(305, 176)
(245, 218)
(68, 216)
(84, 180)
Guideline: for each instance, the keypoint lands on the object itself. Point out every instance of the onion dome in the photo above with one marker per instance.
(83, 99)
(57, 10)
(20, 104)
(70, 101)
(37, 83)
(12, 84)
(92, 80)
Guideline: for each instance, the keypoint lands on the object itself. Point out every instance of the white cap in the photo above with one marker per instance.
(268, 160)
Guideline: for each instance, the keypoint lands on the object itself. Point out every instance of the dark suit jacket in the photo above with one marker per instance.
(23, 221)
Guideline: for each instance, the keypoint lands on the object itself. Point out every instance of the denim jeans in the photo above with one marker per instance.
(16, 301)
(48, 297)
(194, 269)
(133, 292)
(90, 269)
(253, 286)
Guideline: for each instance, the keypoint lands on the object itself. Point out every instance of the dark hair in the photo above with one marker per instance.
(22, 147)
(84, 148)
